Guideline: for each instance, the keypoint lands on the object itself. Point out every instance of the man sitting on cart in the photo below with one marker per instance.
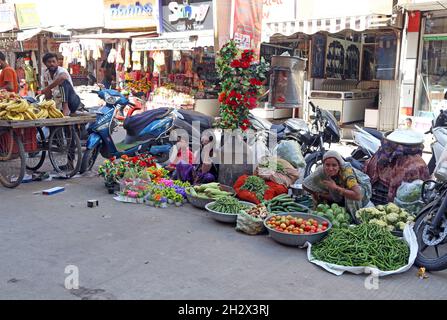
(59, 85)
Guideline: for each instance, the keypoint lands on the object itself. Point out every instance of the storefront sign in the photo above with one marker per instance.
(27, 15)
(7, 17)
(31, 45)
(247, 24)
(187, 15)
(161, 44)
(278, 10)
(125, 14)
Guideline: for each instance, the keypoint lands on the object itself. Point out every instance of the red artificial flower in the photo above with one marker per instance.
(235, 64)
(238, 96)
(232, 94)
(246, 121)
(255, 82)
(222, 96)
(253, 103)
(244, 127)
(245, 64)
(233, 103)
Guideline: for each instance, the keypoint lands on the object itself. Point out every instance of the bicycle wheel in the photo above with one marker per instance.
(12, 159)
(36, 159)
(64, 150)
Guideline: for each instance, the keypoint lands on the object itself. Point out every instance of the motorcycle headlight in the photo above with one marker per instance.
(111, 99)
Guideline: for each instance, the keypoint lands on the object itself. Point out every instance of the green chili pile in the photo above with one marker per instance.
(363, 245)
(228, 205)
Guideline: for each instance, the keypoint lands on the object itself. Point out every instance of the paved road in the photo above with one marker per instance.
(126, 251)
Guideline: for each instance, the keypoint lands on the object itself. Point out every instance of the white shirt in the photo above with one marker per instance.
(48, 79)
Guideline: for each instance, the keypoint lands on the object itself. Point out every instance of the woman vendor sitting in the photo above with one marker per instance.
(338, 182)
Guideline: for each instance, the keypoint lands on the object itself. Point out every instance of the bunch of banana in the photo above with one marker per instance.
(17, 110)
(50, 107)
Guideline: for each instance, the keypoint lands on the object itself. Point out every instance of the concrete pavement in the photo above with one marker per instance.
(126, 251)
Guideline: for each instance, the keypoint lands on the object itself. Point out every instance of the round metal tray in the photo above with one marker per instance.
(298, 239)
(225, 217)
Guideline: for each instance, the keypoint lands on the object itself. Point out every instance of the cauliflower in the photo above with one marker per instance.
(392, 217)
(401, 225)
(390, 228)
(378, 222)
(391, 207)
(403, 215)
(380, 208)
(410, 219)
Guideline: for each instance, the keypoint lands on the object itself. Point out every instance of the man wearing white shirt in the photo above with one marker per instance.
(59, 85)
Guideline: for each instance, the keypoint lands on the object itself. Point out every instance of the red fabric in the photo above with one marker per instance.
(414, 21)
(9, 75)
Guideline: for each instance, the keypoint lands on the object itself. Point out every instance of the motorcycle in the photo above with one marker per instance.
(368, 142)
(146, 132)
(324, 130)
(439, 131)
(431, 226)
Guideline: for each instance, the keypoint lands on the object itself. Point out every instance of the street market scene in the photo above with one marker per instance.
(223, 149)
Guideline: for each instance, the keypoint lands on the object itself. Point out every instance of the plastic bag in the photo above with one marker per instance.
(409, 238)
(411, 207)
(290, 151)
(441, 168)
(249, 225)
(277, 170)
(410, 191)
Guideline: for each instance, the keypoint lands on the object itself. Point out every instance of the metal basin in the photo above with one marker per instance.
(225, 217)
(298, 239)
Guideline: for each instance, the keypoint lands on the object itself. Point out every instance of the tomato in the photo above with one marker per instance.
(302, 226)
(307, 228)
(292, 222)
(308, 223)
(315, 224)
(283, 225)
(301, 230)
(319, 230)
(324, 228)
(320, 226)
(299, 221)
(325, 223)
(278, 223)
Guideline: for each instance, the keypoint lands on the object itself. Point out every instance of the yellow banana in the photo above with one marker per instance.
(55, 113)
(29, 115)
(15, 116)
(3, 113)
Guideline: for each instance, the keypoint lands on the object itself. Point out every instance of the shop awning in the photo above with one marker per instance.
(334, 25)
(115, 35)
(28, 34)
(422, 5)
(186, 41)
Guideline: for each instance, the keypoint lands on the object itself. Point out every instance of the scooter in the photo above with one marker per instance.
(439, 131)
(146, 132)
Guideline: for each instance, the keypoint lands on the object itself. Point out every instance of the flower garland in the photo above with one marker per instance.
(241, 83)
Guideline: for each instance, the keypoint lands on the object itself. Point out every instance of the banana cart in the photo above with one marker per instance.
(25, 144)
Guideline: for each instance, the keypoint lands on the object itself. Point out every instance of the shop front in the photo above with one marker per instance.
(181, 61)
(352, 63)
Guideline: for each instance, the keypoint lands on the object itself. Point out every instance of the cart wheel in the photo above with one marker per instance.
(64, 150)
(36, 159)
(12, 164)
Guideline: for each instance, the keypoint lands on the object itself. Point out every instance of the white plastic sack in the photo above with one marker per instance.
(290, 151)
(410, 239)
(441, 168)
(410, 191)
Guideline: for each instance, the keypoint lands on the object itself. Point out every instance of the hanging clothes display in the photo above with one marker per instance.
(136, 61)
(127, 58)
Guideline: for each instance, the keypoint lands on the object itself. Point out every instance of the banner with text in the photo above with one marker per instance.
(128, 14)
(247, 24)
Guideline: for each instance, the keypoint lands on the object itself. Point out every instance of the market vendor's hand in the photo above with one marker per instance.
(47, 93)
(330, 184)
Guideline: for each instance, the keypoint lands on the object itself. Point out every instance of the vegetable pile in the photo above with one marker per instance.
(294, 225)
(256, 185)
(207, 191)
(284, 203)
(390, 216)
(259, 211)
(335, 214)
(363, 245)
(228, 205)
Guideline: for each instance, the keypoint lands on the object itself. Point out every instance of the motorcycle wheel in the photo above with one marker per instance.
(439, 260)
(89, 159)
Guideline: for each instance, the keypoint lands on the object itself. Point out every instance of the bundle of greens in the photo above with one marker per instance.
(256, 185)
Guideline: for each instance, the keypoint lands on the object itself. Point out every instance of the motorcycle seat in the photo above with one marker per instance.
(377, 134)
(278, 127)
(206, 122)
(135, 124)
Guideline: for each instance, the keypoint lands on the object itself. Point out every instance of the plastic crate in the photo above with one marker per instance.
(28, 136)
(379, 194)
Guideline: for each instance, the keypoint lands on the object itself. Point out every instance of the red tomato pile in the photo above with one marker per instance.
(289, 224)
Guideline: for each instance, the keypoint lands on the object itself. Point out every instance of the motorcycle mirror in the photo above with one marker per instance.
(428, 191)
